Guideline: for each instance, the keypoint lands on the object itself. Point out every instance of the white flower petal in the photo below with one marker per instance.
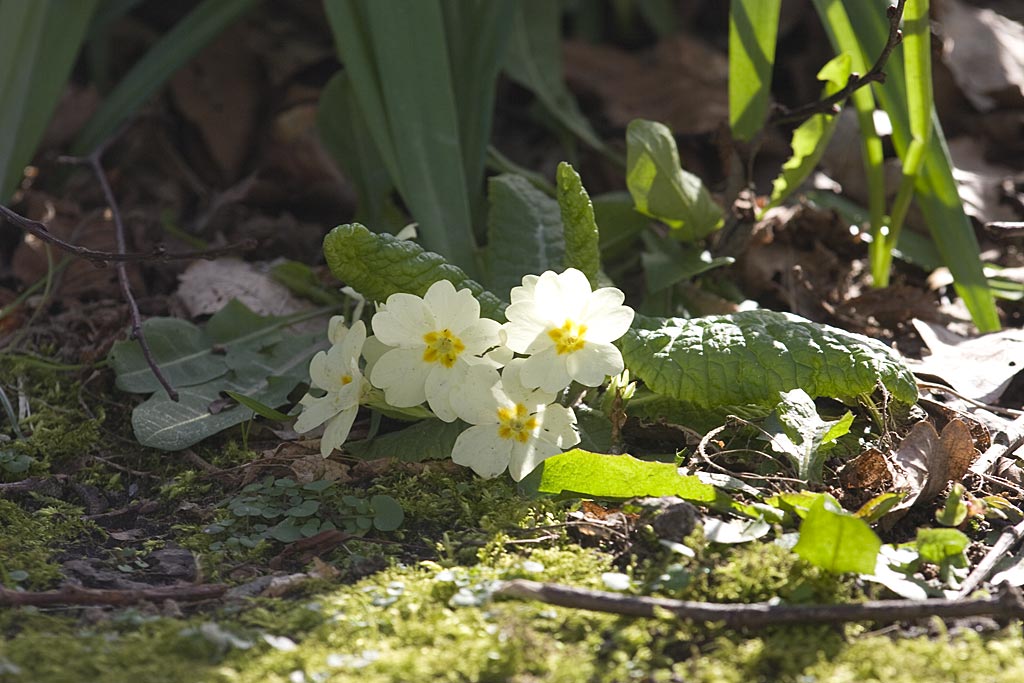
(609, 326)
(545, 370)
(590, 365)
(441, 383)
(525, 327)
(373, 349)
(337, 430)
(319, 371)
(336, 329)
(526, 456)
(352, 344)
(526, 290)
(476, 402)
(551, 302)
(401, 373)
(558, 427)
(480, 335)
(452, 310)
(482, 449)
(403, 322)
(316, 411)
(512, 385)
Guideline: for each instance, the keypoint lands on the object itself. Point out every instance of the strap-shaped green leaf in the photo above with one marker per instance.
(582, 238)
(751, 356)
(661, 188)
(379, 265)
(753, 28)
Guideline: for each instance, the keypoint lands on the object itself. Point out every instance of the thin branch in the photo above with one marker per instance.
(1008, 604)
(77, 595)
(829, 105)
(39, 230)
(95, 160)
(1011, 536)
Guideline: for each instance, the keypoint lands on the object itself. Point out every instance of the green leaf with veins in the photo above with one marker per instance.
(751, 356)
(796, 431)
(379, 265)
(524, 231)
(424, 440)
(835, 540)
(596, 475)
(582, 238)
(662, 189)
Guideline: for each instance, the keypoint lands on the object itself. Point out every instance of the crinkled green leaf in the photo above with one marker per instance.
(379, 265)
(939, 546)
(753, 28)
(835, 540)
(524, 231)
(661, 188)
(751, 356)
(796, 431)
(596, 475)
(424, 440)
(812, 136)
(582, 238)
(267, 377)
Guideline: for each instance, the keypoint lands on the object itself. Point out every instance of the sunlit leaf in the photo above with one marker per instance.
(582, 238)
(837, 541)
(753, 28)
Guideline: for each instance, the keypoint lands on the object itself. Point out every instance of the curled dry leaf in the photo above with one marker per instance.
(927, 461)
(207, 286)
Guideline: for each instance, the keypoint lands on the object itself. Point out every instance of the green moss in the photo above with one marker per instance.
(29, 541)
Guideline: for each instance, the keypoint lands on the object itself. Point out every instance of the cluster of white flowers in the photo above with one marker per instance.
(439, 351)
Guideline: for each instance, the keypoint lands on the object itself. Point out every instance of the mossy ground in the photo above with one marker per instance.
(420, 610)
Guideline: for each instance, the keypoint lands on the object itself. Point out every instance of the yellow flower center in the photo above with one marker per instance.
(442, 347)
(516, 423)
(346, 379)
(569, 337)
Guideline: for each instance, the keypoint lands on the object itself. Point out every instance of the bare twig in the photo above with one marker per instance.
(77, 595)
(1008, 604)
(828, 105)
(37, 229)
(1010, 537)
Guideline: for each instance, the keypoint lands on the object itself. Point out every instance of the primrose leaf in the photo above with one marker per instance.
(661, 188)
(837, 541)
(181, 349)
(524, 231)
(268, 377)
(424, 440)
(582, 238)
(379, 265)
(940, 546)
(387, 513)
(596, 475)
(799, 433)
(751, 356)
(812, 136)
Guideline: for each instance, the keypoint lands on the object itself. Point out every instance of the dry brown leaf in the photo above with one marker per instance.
(869, 470)
(207, 286)
(979, 368)
(980, 183)
(927, 461)
(683, 82)
(985, 52)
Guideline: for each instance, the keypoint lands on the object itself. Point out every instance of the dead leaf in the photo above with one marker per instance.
(985, 52)
(869, 470)
(980, 183)
(979, 368)
(207, 286)
(664, 85)
(926, 462)
(220, 93)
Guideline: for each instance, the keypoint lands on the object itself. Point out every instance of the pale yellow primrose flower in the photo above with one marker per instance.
(336, 372)
(434, 341)
(567, 330)
(514, 427)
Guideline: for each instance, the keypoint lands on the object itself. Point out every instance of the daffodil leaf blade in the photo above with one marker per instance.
(596, 475)
(424, 440)
(747, 358)
(662, 189)
(837, 541)
(379, 265)
(524, 228)
(582, 237)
